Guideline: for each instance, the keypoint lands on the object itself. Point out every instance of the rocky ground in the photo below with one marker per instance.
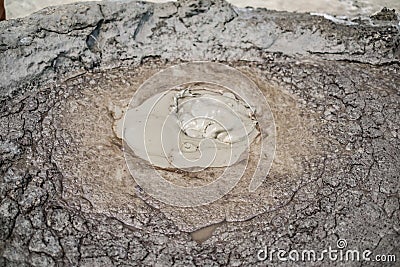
(66, 198)
(22, 8)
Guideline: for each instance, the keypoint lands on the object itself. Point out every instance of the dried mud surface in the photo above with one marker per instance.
(67, 197)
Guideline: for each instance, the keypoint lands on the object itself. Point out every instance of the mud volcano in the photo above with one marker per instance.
(68, 74)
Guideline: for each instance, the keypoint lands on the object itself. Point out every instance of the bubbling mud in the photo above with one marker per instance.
(191, 127)
(197, 117)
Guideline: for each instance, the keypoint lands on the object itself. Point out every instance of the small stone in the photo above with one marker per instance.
(26, 41)
(385, 14)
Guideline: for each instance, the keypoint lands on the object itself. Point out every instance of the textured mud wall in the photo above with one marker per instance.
(67, 73)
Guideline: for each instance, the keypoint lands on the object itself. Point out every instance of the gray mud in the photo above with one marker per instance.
(67, 73)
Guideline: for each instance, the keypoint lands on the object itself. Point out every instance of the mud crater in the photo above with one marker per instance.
(96, 177)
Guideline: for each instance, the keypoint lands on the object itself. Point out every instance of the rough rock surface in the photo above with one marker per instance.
(345, 76)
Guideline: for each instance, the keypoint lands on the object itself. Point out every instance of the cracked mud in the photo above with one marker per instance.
(67, 197)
